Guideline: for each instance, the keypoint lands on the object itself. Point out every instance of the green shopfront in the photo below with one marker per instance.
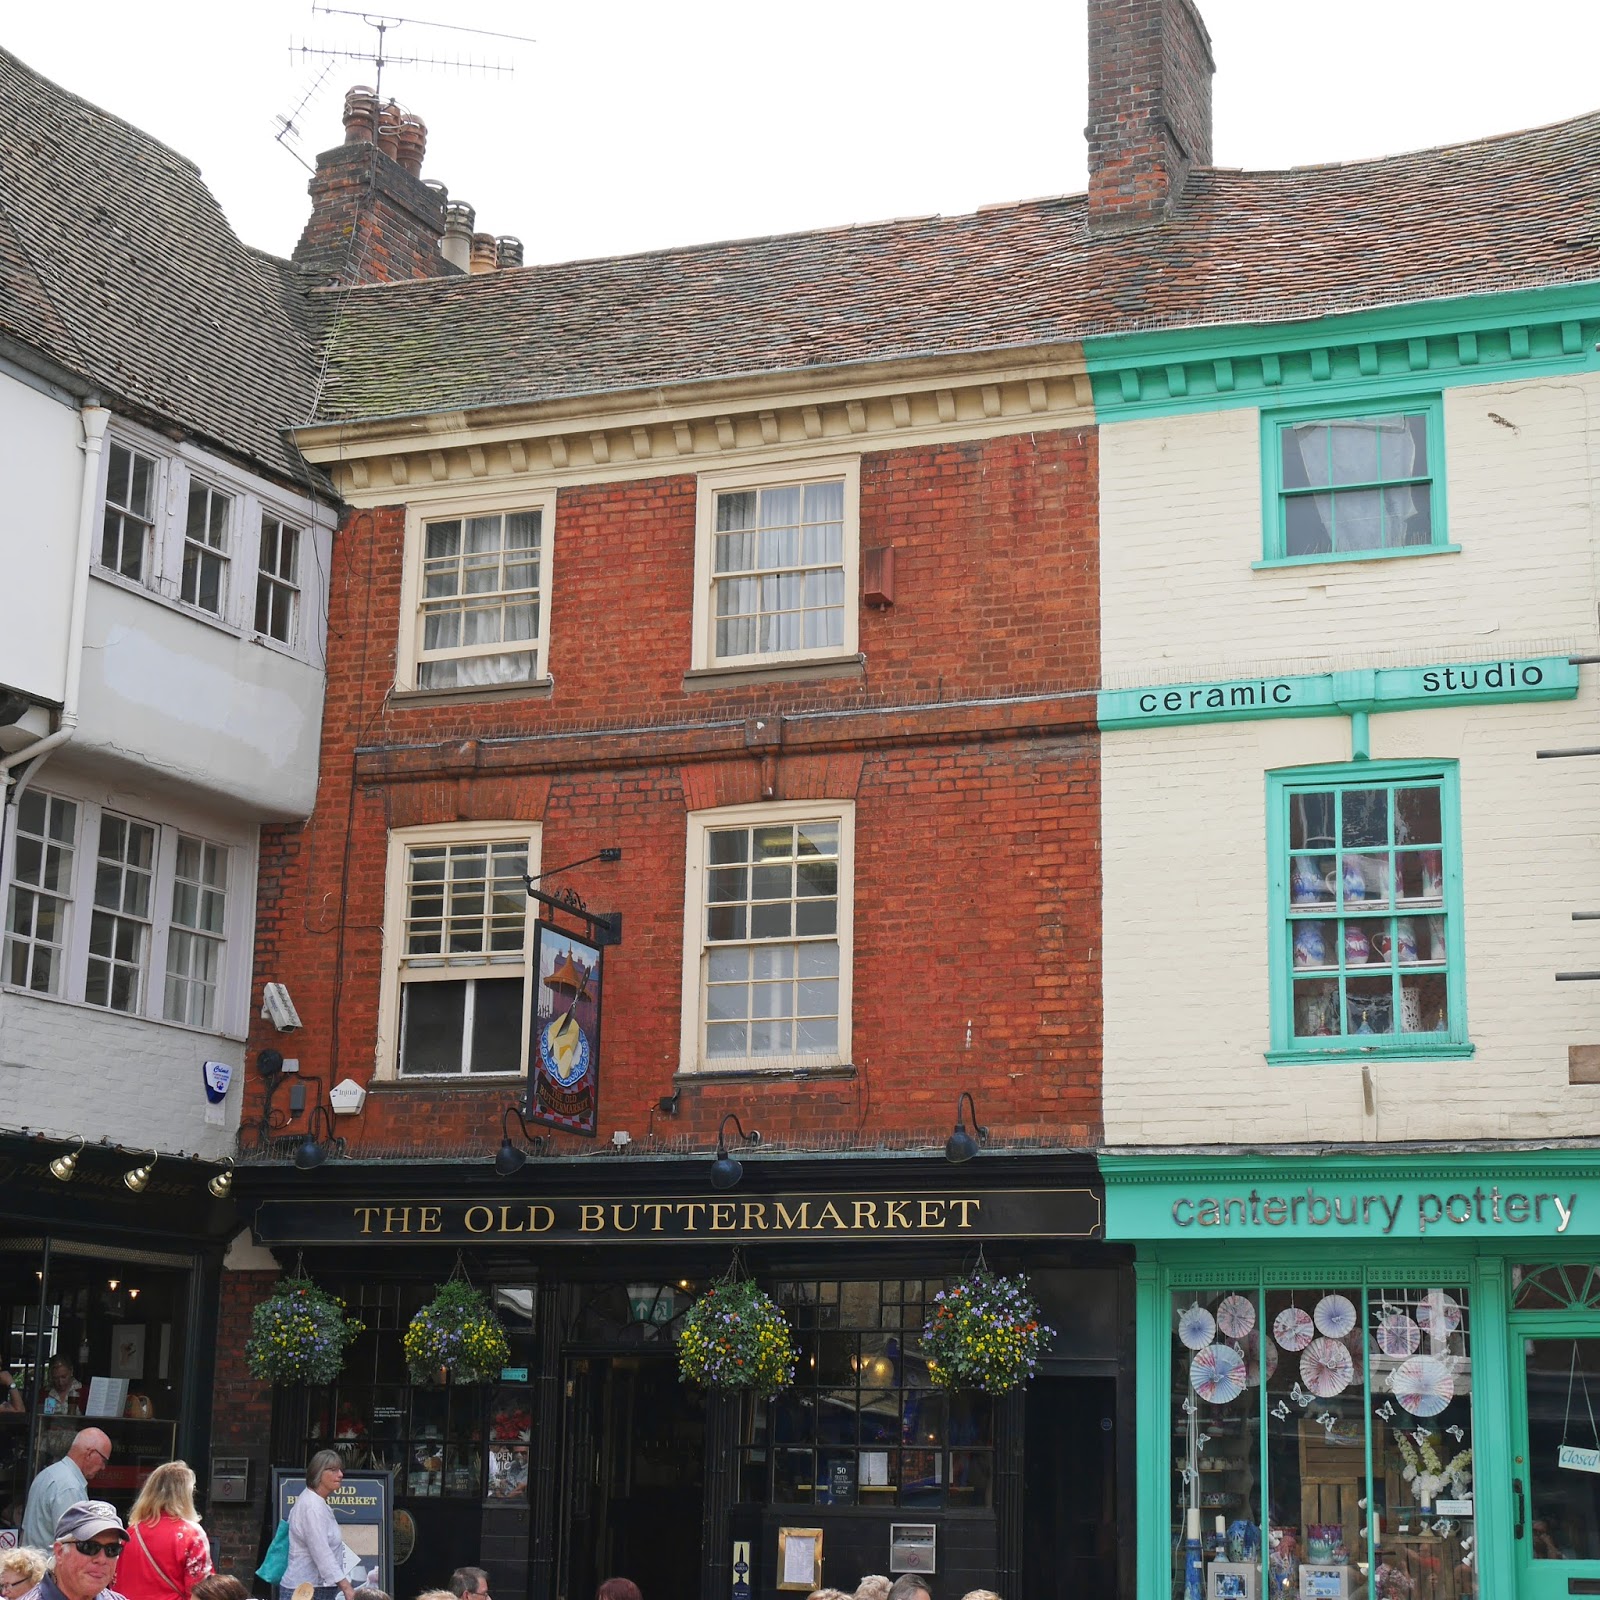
(1365, 1375)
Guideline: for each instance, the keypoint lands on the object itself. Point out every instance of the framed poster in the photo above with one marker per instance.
(127, 1350)
(564, 1052)
(800, 1558)
(362, 1506)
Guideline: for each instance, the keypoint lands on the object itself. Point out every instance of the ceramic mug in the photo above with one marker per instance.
(1405, 942)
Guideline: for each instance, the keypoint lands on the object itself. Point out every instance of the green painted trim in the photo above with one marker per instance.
(1359, 356)
(1283, 1047)
(1333, 693)
(1273, 563)
(1273, 422)
(1127, 1168)
(1418, 1052)
(1153, 1481)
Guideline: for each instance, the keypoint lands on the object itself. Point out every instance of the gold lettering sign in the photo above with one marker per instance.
(1061, 1213)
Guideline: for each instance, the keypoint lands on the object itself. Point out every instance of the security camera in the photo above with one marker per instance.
(278, 1008)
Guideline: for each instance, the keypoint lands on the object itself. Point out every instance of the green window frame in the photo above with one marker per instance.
(1366, 954)
(1343, 483)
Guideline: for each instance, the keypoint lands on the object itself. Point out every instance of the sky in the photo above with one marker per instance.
(634, 125)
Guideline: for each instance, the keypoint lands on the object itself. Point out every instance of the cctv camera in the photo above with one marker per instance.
(278, 1008)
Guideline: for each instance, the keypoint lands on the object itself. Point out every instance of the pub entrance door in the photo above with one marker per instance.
(1069, 1543)
(633, 1476)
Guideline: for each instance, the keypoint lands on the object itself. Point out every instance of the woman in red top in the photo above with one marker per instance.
(167, 1552)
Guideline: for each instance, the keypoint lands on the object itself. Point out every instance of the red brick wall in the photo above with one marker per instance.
(241, 1423)
(968, 748)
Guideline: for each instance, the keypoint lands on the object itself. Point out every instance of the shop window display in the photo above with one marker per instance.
(1341, 1411)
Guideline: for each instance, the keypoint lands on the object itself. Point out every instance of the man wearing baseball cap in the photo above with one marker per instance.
(89, 1538)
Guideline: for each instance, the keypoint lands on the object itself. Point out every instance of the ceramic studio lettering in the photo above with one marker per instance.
(1218, 697)
(1484, 1207)
(1497, 675)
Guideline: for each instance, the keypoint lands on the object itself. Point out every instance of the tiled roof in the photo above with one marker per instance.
(1499, 214)
(117, 264)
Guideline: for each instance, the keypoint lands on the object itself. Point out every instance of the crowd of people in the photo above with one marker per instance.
(76, 1548)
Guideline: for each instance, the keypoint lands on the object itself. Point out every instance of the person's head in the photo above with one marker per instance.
(360, 1594)
(980, 1594)
(466, 1582)
(910, 1586)
(61, 1373)
(324, 1472)
(221, 1586)
(436, 1594)
(89, 1537)
(20, 1570)
(167, 1492)
(618, 1589)
(827, 1594)
(873, 1587)
(91, 1449)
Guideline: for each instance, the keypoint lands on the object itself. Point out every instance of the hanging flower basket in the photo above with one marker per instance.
(735, 1337)
(458, 1331)
(298, 1334)
(985, 1333)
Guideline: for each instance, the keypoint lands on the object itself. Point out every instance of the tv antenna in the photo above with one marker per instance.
(383, 24)
(288, 134)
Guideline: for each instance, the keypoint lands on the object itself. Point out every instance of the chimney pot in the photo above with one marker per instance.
(508, 251)
(456, 245)
(389, 131)
(412, 140)
(483, 252)
(360, 115)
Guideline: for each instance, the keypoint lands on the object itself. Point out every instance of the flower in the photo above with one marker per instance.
(298, 1334)
(735, 1337)
(457, 1330)
(985, 1333)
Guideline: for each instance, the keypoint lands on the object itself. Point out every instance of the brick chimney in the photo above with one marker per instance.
(373, 219)
(1150, 71)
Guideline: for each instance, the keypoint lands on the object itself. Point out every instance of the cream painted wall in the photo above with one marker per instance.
(1181, 523)
(1184, 830)
(41, 466)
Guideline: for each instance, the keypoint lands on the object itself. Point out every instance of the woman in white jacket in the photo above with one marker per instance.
(316, 1546)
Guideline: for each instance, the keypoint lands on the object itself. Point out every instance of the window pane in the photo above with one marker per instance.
(432, 1019)
(497, 1025)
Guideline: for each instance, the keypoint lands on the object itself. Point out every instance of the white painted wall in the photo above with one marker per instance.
(41, 465)
(1184, 830)
(77, 1071)
(199, 704)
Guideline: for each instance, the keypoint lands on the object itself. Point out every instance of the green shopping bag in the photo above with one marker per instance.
(276, 1561)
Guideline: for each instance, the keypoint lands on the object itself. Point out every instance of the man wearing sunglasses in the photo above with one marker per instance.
(89, 1536)
(63, 1485)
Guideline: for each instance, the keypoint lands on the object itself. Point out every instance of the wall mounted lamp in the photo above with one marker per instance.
(510, 1158)
(137, 1177)
(314, 1151)
(221, 1184)
(66, 1164)
(725, 1170)
(961, 1146)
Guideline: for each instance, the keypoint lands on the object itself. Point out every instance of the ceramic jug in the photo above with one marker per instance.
(1355, 883)
(1307, 884)
(1357, 948)
(1310, 945)
(1405, 941)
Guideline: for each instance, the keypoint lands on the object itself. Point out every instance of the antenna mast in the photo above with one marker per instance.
(383, 24)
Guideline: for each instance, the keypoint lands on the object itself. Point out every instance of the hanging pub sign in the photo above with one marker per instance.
(564, 1053)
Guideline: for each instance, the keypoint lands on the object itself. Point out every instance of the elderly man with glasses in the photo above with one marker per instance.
(63, 1485)
(88, 1539)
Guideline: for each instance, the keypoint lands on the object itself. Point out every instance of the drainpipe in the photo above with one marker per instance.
(94, 432)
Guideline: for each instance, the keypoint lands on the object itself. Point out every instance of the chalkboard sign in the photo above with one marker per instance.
(842, 1482)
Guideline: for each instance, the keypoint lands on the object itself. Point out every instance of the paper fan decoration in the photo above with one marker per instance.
(1438, 1314)
(1398, 1335)
(1326, 1368)
(1236, 1316)
(1197, 1327)
(1293, 1329)
(1334, 1316)
(1423, 1385)
(1217, 1373)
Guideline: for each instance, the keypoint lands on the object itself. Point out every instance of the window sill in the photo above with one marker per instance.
(456, 1083)
(1341, 557)
(1447, 1050)
(530, 688)
(808, 669)
(844, 1069)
